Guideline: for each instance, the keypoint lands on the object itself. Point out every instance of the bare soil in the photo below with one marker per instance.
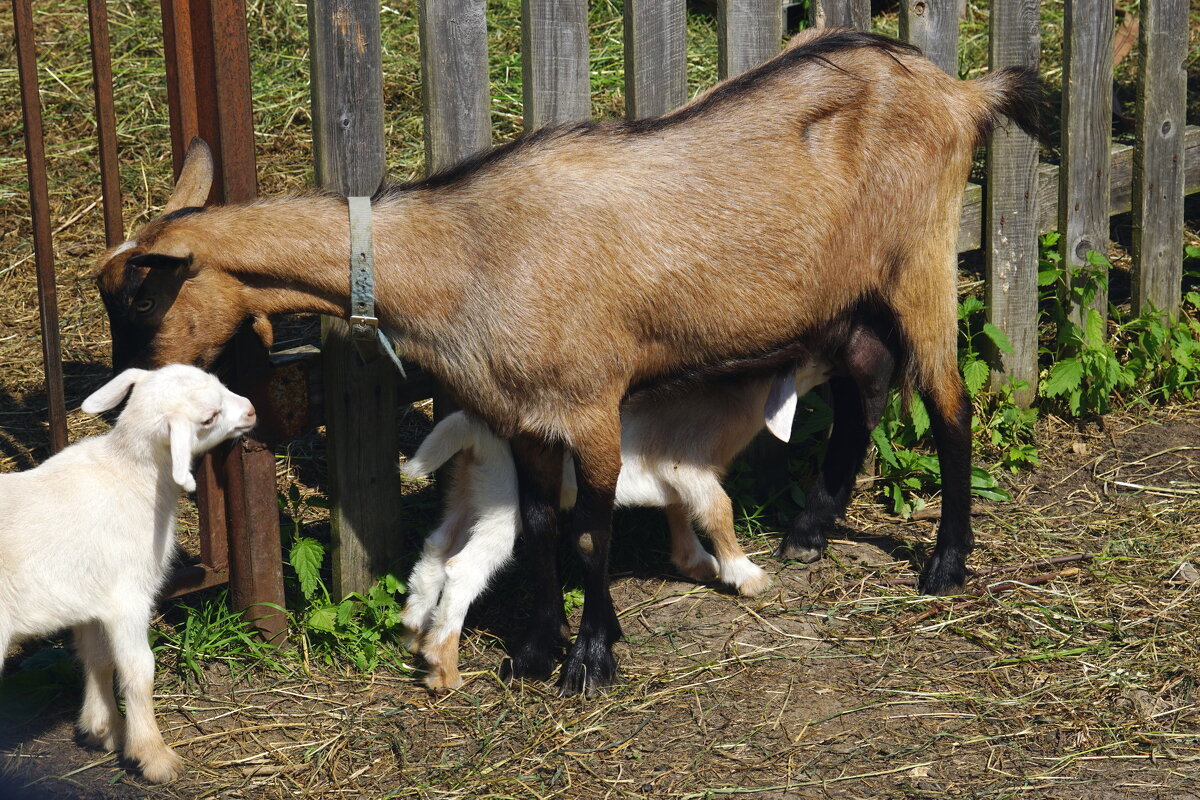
(1073, 680)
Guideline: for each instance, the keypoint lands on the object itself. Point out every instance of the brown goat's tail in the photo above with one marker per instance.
(1016, 93)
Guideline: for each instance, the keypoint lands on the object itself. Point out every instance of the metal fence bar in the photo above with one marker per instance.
(106, 122)
(39, 202)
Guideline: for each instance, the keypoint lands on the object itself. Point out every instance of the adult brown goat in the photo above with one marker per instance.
(814, 196)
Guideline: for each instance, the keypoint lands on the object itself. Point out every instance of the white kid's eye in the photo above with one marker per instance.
(211, 418)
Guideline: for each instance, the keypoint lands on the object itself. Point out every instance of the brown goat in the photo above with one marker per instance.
(546, 280)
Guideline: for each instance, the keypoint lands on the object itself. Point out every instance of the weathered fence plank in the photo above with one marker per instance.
(749, 33)
(932, 25)
(1012, 246)
(454, 86)
(1120, 190)
(1083, 206)
(39, 208)
(1158, 166)
(655, 57)
(555, 81)
(360, 398)
(840, 14)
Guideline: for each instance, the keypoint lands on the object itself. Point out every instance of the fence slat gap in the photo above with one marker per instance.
(1158, 163)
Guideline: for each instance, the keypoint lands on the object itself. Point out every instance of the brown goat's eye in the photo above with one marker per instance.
(144, 306)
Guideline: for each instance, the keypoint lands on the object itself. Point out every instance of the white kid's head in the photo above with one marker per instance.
(186, 408)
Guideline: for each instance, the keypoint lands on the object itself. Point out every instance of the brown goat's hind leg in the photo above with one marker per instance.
(805, 539)
(590, 664)
(870, 357)
(539, 476)
(950, 418)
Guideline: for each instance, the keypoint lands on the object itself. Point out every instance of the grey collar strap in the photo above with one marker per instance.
(364, 325)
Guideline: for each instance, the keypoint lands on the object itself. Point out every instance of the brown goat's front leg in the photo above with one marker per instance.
(539, 478)
(590, 664)
(950, 419)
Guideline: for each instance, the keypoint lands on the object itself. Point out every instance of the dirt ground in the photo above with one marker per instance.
(1074, 680)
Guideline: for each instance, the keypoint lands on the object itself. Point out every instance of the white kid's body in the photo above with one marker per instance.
(86, 539)
(675, 448)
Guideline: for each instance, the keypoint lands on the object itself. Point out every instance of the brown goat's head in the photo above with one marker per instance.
(160, 270)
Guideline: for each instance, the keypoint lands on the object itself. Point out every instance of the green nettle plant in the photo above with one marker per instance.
(1145, 357)
(355, 626)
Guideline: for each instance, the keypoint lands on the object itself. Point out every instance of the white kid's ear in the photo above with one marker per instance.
(110, 395)
(180, 434)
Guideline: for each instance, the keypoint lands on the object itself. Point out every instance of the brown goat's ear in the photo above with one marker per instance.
(195, 179)
(159, 261)
(262, 326)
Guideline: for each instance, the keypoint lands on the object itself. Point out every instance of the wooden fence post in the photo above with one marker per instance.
(554, 62)
(655, 57)
(932, 25)
(1011, 209)
(361, 399)
(456, 95)
(840, 14)
(1083, 200)
(1158, 163)
(749, 33)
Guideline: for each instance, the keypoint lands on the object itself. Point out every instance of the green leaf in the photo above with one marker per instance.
(975, 375)
(998, 338)
(1097, 259)
(305, 557)
(919, 416)
(1049, 276)
(1094, 335)
(1065, 376)
(394, 585)
(323, 619)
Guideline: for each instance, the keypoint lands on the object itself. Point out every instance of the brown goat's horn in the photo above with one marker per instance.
(195, 179)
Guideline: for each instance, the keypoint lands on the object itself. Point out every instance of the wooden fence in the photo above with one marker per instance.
(1020, 198)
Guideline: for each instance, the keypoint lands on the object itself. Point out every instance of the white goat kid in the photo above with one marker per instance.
(675, 449)
(86, 538)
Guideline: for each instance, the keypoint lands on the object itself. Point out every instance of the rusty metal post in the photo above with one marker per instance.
(39, 202)
(208, 54)
(106, 121)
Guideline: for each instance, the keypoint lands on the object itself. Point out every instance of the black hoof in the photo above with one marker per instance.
(796, 551)
(943, 575)
(586, 674)
(532, 660)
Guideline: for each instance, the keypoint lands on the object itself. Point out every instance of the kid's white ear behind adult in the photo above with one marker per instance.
(111, 394)
(180, 435)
